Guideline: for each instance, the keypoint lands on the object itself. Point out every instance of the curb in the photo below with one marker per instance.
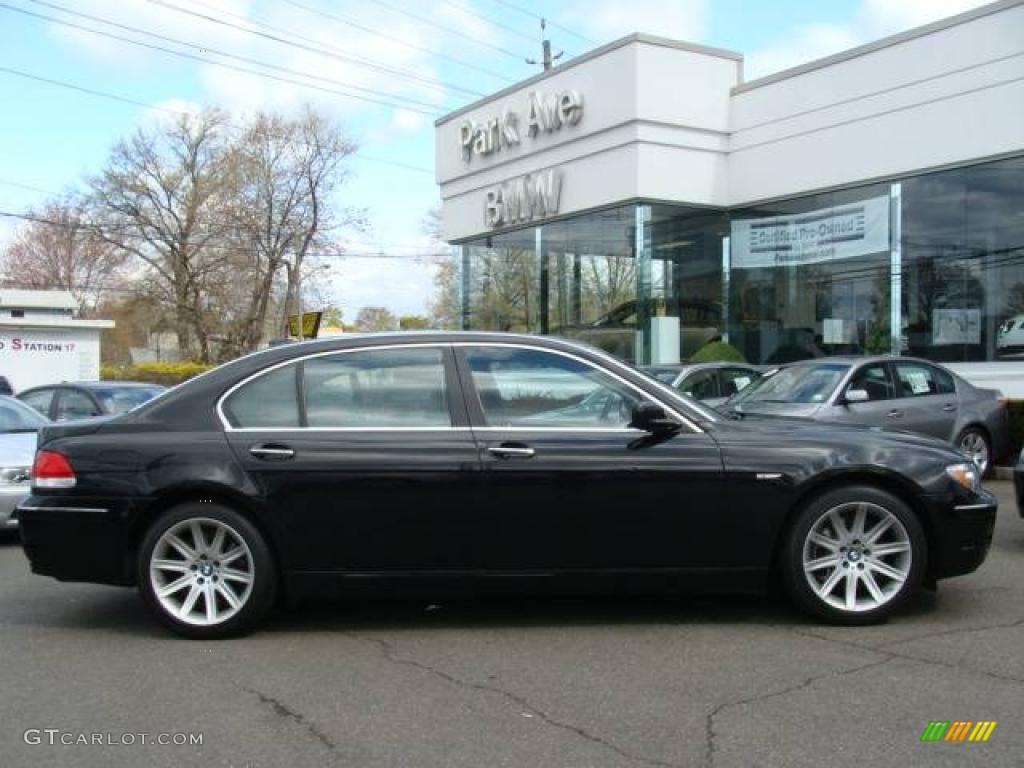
(1002, 473)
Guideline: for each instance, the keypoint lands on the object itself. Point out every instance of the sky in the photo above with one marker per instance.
(384, 69)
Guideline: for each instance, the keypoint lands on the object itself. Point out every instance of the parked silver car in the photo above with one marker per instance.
(711, 383)
(19, 425)
(897, 392)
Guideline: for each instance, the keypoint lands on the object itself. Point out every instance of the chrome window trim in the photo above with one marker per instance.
(689, 423)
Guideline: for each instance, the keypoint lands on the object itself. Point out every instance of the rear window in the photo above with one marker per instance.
(123, 400)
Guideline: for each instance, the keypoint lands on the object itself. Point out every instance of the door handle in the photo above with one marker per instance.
(949, 407)
(894, 414)
(511, 452)
(272, 451)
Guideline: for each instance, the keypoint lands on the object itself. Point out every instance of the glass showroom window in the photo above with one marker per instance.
(963, 263)
(642, 282)
(812, 276)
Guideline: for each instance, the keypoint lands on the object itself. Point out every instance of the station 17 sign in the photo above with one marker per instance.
(19, 344)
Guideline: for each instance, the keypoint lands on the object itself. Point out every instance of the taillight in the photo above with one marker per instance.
(52, 470)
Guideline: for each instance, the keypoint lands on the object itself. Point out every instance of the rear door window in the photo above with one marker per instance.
(40, 400)
(267, 402)
(374, 388)
(918, 380)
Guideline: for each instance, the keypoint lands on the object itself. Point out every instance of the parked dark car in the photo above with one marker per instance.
(895, 392)
(369, 464)
(85, 399)
(711, 383)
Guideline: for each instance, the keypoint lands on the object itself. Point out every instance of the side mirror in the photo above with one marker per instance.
(651, 417)
(856, 396)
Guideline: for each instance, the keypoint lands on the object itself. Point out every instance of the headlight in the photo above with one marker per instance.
(966, 475)
(15, 475)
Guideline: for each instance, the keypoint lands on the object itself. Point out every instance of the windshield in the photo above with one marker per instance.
(795, 384)
(118, 401)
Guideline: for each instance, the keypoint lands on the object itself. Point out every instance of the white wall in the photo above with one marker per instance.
(33, 357)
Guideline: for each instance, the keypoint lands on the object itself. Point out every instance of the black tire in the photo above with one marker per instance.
(798, 583)
(977, 433)
(258, 561)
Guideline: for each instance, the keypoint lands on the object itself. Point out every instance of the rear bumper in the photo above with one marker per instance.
(80, 539)
(962, 533)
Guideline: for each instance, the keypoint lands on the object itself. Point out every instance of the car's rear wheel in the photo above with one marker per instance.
(975, 443)
(854, 555)
(206, 571)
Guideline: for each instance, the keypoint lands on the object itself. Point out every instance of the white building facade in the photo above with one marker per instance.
(645, 198)
(42, 342)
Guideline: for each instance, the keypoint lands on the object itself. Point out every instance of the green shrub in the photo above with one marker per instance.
(167, 374)
(718, 352)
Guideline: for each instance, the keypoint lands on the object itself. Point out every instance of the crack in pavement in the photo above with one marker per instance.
(709, 723)
(387, 650)
(283, 710)
(887, 650)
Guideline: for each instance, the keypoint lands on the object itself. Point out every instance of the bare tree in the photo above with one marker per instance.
(160, 199)
(321, 167)
(445, 306)
(60, 249)
(286, 170)
(376, 319)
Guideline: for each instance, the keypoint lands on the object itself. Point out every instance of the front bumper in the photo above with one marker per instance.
(10, 498)
(961, 533)
(78, 539)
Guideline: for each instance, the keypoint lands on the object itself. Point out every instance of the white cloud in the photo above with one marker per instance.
(885, 17)
(606, 20)
(872, 20)
(810, 42)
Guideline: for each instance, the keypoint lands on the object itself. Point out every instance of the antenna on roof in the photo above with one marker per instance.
(547, 59)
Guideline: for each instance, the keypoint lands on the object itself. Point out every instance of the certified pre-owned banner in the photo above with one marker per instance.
(808, 238)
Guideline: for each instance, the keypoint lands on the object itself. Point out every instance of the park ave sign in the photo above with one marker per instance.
(544, 114)
(535, 195)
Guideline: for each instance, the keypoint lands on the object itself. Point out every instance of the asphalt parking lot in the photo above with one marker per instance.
(527, 682)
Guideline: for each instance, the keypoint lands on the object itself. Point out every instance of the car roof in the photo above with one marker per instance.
(858, 360)
(100, 385)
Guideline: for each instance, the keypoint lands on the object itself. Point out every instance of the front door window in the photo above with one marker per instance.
(533, 388)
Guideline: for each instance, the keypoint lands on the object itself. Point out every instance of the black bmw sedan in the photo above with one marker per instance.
(487, 461)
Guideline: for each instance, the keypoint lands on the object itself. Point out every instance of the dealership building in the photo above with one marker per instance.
(646, 198)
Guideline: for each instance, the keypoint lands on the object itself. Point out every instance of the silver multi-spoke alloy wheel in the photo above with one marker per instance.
(201, 571)
(857, 556)
(973, 443)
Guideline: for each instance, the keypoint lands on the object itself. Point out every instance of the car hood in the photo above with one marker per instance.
(17, 449)
(761, 427)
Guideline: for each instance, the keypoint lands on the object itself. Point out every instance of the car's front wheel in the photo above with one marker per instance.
(853, 555)
(206, 571)
(975, 444)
